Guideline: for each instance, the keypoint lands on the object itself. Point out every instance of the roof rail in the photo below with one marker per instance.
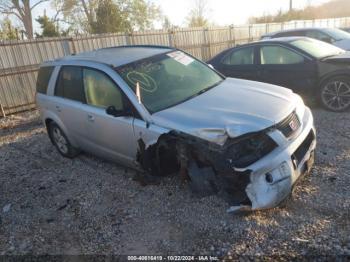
(144, 46)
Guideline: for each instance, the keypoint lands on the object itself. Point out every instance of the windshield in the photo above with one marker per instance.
(317, 48)
(168, 79)
(337, 34)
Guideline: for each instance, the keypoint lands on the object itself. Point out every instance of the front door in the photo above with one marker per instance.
(284, 67)
(111, 137)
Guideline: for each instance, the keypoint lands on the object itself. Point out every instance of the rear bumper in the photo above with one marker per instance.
(273, 176)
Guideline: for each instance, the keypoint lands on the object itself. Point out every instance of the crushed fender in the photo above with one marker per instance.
(210, 168)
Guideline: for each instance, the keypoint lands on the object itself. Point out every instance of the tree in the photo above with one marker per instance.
(331, 9)
(166, 23)
(48, 27)
(91, 16)
(108, 18)
(22, 9)
(139, 14)
(197, 17)
(7, 30)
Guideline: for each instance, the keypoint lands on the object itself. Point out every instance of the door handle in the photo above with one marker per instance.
(91, 118)
(58, 108)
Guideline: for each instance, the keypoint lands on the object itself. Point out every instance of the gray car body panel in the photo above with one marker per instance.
(233, 108)
(238, 107)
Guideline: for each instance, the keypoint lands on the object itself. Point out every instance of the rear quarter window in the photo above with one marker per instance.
(43, 79)
(70, 84)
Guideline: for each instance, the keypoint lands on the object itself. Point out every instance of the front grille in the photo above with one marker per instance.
(303, 148)
(289, 125)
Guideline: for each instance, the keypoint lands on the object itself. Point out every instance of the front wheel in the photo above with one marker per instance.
(335, 94)
(61, 142)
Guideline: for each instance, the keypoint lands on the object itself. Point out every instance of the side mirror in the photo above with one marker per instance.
(111, 110)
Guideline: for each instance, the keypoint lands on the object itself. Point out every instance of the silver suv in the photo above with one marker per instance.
(163, 111)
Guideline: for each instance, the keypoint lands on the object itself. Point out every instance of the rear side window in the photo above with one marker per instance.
(70, 83)
(243, 56)
(43, 79)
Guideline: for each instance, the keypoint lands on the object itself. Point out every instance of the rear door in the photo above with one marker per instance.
(239, 63)
(68, 103)
(109, 136)
(281, 65)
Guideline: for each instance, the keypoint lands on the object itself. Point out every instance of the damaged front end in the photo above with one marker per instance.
(211, 168)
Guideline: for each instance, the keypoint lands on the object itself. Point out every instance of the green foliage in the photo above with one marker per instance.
(7, 30)
(48, 27)
(139, 14)
(108, 16)
(197, 15)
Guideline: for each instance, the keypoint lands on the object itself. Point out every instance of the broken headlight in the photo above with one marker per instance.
(249, 149)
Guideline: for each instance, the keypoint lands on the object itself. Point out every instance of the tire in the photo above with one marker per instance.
(61, 142)
(335, 94)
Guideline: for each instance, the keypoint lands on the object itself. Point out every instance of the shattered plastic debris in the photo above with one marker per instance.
(6, 208)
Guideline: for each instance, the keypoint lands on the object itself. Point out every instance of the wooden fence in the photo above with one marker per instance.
(19, 60)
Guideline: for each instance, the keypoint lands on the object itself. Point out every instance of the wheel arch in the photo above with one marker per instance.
(52, 118)
(331, 75)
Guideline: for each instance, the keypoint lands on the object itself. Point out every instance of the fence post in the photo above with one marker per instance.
(205, 45)
(249, 33)
(231, 41)
(267, 28)
(171, 37)
(127, 38)
(2, 111)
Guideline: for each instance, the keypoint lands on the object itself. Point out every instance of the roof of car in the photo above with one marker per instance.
(293, 30)
(286, 39)
(120, 55)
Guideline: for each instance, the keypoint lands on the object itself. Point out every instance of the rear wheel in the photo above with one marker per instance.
(335, 94)
(61, 142)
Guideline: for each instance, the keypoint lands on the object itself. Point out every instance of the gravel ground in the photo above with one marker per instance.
(53, 205)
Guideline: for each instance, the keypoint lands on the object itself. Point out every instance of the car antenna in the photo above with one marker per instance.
(138, 92)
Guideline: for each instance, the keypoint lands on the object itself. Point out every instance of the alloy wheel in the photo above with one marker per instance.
(336, 95)
(60, 141)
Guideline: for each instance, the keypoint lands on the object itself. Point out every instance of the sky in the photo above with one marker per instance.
(220, 12)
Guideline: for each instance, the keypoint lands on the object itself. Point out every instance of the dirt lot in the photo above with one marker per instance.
(53, 205)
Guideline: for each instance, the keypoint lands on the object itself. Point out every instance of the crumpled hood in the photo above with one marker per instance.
(232, 108)
(344, 44)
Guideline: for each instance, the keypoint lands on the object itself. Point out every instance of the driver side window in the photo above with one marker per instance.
(100, 90)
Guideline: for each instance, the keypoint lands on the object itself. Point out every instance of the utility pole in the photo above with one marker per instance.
(290, 5)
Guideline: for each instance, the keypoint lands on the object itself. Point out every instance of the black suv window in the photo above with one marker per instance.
(43, 79)
(243, 56)
(70, 83)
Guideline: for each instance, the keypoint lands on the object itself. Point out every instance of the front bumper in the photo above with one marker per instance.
(272, 177)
